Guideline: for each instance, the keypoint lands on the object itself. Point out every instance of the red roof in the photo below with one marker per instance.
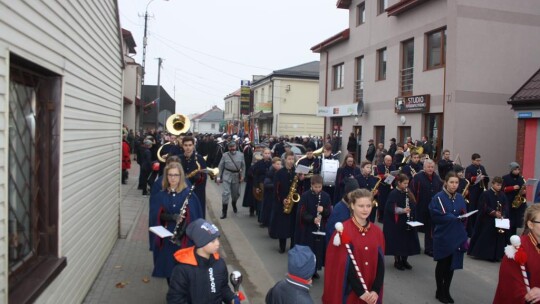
(337, 38)
(130, 42)
(235, 93)
(343, 3)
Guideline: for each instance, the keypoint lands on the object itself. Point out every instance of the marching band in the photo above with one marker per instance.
(302, 198)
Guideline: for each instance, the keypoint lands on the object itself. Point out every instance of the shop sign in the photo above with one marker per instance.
(338, 111)
(412, 104)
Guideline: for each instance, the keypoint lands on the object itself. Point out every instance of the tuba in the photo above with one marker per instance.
(293, 196)
(519, 199)
(176, 124)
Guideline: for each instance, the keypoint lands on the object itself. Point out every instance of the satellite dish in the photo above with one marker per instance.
(360, 108)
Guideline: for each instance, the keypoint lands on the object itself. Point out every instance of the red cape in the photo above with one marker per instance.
(366, 249)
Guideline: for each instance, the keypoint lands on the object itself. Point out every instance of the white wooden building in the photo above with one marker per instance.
(60, 133)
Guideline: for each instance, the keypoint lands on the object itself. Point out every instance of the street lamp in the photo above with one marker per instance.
(141, 108)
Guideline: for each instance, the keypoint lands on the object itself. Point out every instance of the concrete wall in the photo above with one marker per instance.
(232, 108)
(81, 42)
(132, 85)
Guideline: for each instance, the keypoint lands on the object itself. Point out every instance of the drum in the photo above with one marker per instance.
(329, 170)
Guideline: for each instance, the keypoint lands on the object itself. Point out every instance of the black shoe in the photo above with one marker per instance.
(224, 209)
(223, 215)
(430, 253)
(449, 298)
(316, 276)
(399, 265)
(281, 250)
(406, 264)
(234, 209)
(443, 300)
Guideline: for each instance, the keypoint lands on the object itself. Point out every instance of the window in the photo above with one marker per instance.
(379, 135)
(339, 77)
(213, 126)
(361, 14)
(33, 170)
(263, 98)
(359, 81)
(436, 49)
(381, 6)
(407, 67)
(381, 64)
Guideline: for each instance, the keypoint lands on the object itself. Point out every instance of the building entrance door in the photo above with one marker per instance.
(433, 129)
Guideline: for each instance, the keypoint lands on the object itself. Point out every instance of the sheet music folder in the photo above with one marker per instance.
(160, 231)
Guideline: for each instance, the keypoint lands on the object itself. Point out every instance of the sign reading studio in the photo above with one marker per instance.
(412, 104)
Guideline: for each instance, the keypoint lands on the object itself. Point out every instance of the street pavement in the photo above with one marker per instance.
(126, 275)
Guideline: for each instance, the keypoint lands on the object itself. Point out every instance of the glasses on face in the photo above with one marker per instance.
(173, 175)
(536, 222)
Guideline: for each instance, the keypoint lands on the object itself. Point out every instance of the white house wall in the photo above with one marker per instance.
(81, 42)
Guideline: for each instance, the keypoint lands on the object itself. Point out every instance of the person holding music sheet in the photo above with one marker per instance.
(347, 170)
(449, 235)
(357, 239)
(260, 169)
(476, 174)
(310, 161)
(488, 241)
(383, 171)
(414, 166)
(201, 275)
(282, 225)
(400, 238)
(445, 165)
(367, 181)
(425, 185)
(166, 210)
(327, 154)
(511, 287)
(514, 184)
(193, 164)
(231, 170)
(341, 211)
(313, 211)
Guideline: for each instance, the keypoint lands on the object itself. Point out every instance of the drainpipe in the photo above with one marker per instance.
(325, 93)
(272, 92)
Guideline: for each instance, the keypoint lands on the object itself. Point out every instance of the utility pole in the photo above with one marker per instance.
(143, 71)
(160, 60)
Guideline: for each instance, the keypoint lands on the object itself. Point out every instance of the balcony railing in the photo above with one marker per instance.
(407, 80)
(359, 90)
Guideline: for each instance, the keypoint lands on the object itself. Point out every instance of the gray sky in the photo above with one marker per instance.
(209, 46)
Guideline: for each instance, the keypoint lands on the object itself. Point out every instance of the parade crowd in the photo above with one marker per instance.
(343, 216)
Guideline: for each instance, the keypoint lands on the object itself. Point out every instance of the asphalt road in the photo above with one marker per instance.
(248, 248)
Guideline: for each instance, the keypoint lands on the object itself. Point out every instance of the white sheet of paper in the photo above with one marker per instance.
(468, 214)
(160, 231)
(394, 173)
(302, 169)
(531, 181)
(389, 179)
(415, 223)
(502, 223)
(478, 180)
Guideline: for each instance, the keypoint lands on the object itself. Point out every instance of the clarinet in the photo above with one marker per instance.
(407, 205)
(181, 224)
(319, 214)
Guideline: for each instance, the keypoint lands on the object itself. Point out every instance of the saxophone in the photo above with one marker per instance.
(464, 193)
(293, 196)
(519, 199)
(181, 224)
(375, 203)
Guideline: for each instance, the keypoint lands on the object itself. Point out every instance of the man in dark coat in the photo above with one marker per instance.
(383, 171)
(193, 164)
(424, 186)
(310, 161)
(473, 173)
(393, 147)
(370, 154)
(512, 186)
(445, 165)
(294, 289)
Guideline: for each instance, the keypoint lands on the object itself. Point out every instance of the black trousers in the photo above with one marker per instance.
(443, 276)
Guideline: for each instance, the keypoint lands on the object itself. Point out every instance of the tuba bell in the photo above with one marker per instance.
(177, 124)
